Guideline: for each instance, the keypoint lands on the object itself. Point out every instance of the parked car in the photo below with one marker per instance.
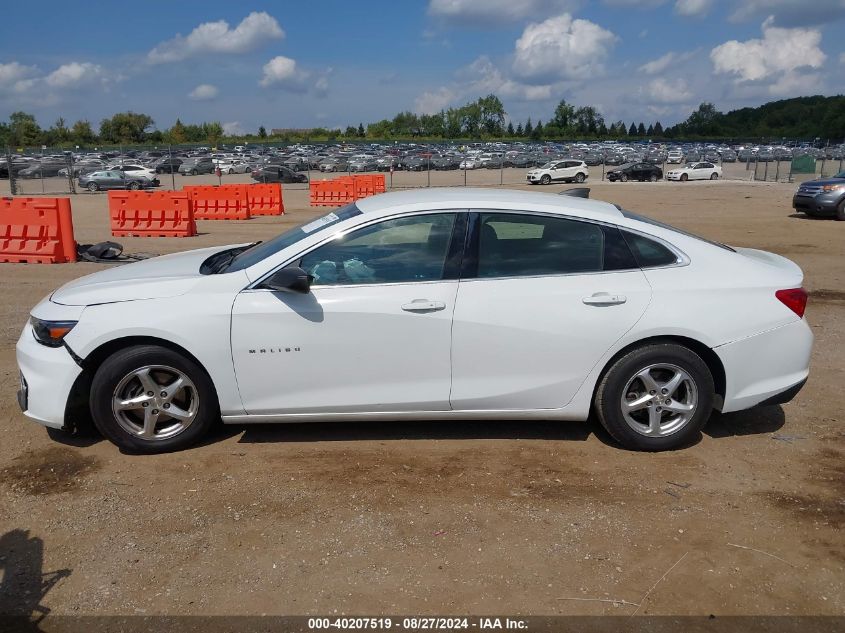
(559, 170)
(168, 165)
(675, 157)
(45, 169)
(635, 171)
(137, 171)
(278, 173)
(197, 165)
(695, 171)
(234, 167)
(114, 179)
(365, 314)
(824, 196)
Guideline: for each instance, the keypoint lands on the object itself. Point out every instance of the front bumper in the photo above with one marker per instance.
(760, 369)
(47, 377)
(825, 203)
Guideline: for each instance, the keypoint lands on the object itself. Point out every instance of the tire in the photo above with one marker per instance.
(193, 172)
(579, 177)
(92, 187)
(134, 186)
(684, 177)
(231, 171)
(840, 211)
(545, 179)
(118, 378)
(624, 177)
(652, 178)
(650, 427)
(714, 176)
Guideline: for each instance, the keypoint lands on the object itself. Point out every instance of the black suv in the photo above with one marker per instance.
(825, 196)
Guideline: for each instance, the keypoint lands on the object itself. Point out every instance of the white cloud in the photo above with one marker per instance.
(658, 65)
(283, 71)
(203, 92)
(496, 12)
(234, 128)
(791, 12)
(434, 101)
(562, 48)
(14, 72)
(74, 74)
(693, 8)
(780, 51)
(663, 90)
(216, 37)
(795, 84)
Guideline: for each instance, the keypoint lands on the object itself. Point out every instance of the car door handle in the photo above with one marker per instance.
(604, 299)
(423, 305)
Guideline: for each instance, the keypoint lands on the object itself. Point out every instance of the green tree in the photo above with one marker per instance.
(658, 129)
(650, 131)
(492, 114)
(177, 134)
(213, 132)
(519, 131)
(529, 128)
(511, 131)
(361, 132)
(350, 132)
(82, 134)
(641, 129)
(632, 131)
(563, 116)
(537, 133)
(262, 131)
(24, 129)
(125, 127)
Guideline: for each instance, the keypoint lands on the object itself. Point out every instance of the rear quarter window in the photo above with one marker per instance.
(649, 253)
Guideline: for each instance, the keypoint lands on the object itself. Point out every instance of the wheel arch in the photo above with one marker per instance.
(77, 408)
(710, 358)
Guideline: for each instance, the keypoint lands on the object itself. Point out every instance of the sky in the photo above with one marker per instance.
(335, 63)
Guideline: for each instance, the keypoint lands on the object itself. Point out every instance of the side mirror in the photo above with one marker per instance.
(289, 280)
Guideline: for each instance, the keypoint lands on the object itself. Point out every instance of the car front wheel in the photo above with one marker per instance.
(656, 397)
(545, 179)
(151, 399)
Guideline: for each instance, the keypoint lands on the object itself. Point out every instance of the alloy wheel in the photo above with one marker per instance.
(155, 402)
(659, 400)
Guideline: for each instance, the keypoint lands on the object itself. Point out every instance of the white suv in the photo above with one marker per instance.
(567, 170)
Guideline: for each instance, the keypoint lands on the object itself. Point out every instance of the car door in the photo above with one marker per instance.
(541, 299)
(374, 332)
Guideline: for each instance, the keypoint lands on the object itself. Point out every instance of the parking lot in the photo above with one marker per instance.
(445, 517)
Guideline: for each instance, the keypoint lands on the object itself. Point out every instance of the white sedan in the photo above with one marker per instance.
(233, 166)
(695, 171)
(444, 304)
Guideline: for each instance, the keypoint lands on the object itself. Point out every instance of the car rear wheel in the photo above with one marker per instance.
(150, 399)
(653, 178)
(714, 176)
(93, 186)
(545, 179)
(579, 178)
(656, 397)
(624, 178)
(684, 177)
(134, 186)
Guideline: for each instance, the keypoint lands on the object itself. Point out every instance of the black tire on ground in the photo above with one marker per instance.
(125, 361)
(609, 395)
(580, 177)
(652, 178)
(684, 177)
(840, 211)
(624, 177)
(93, 186)
(134, 186)
(545, 179)
(193, 172)
(714, 176)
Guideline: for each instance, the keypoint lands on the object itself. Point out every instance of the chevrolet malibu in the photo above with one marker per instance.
(448, 304)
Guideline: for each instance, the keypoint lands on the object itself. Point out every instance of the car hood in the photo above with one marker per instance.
(820, 182)
(154, 278)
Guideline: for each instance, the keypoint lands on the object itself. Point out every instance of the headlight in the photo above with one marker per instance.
(50, 333)
(833, 187)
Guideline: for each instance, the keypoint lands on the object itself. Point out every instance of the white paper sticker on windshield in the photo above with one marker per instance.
(316, 224)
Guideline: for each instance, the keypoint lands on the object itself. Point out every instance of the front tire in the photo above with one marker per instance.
(840, 211)
(684, 177)
(656, 397)
(624, 178)
(545, 179)
(150, 399)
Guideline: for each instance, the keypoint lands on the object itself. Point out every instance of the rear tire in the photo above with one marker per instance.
(656, 397)
(714, 176)
(579, 177)
(140, 377)
(652, 178)
(840, 211)
(93, 187)
(134, 186)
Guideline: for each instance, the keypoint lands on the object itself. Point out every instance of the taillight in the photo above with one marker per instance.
(794, 298)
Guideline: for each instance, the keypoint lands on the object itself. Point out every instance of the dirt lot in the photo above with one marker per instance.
(452, 517)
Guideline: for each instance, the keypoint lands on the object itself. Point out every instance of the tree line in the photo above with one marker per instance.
(485, 118)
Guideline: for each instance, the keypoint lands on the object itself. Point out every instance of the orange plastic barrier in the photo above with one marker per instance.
(151, 214)
(226, 202)
(369, 185)
(332, 193)
(265, 199)
(36, 230)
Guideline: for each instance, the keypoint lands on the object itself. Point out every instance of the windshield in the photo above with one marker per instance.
(262, 250)
(549, 165)
(841, 174)
(647, 220)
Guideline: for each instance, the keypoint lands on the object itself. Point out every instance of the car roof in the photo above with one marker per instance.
(481, 198)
